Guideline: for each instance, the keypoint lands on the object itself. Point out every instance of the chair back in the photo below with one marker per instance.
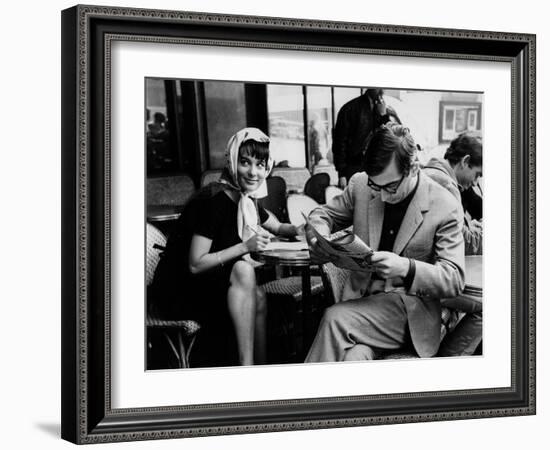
(209, 176)
(174, 190)
(334, 280)
(331, 192)
(295, 177)
(328, 169)
(156, 242)
(316, 185)
(275, 202)
(298, 204)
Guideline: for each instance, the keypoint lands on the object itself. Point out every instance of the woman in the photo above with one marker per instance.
(206, 273)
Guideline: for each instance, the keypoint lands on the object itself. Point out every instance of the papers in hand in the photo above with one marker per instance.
(347, 251)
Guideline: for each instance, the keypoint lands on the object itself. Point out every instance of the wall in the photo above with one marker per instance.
(29, 334)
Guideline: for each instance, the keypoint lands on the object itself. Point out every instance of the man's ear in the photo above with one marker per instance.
(465, 160)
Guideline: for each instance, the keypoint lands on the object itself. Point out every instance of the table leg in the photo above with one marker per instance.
(307, 310)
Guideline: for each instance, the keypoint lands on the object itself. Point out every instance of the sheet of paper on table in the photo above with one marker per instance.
(294, 246)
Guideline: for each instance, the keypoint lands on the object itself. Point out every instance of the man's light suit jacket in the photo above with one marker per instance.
(431, 234)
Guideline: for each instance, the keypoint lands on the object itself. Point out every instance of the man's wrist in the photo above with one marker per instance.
(411, 272)
(405, 266)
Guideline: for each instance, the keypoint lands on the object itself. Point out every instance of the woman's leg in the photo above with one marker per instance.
(260, 330)
(241, 300)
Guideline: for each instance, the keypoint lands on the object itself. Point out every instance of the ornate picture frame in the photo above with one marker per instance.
(88, 33)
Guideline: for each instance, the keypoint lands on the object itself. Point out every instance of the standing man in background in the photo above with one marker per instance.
(355, 124)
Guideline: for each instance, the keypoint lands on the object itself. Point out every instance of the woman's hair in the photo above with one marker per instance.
(466, 143)
(258, 150)
(389, 140)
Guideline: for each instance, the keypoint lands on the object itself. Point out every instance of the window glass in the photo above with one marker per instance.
(160, 154)
(225, 115)
(319, 113)
(285, 106)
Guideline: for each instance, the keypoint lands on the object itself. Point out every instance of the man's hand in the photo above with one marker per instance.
(389, 265)
(342, 182)
(380, 106)
(317, 254)
(476, 225)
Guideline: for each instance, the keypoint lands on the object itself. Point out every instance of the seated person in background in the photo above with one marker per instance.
(206, 274)
(415, 228)
(457, 172)
(472, 201)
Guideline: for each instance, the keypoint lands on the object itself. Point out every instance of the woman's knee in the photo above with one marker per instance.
(243, 274)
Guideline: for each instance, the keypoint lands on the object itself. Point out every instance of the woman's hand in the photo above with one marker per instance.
(257, 243)
(300, 231)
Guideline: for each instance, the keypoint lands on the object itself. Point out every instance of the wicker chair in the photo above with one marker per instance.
(292, 287)
(275, 201)
(295, 177)
(298, 204)
(174, 191)
(328, 169)
(174, 332)
(209, 176)
(316, 185)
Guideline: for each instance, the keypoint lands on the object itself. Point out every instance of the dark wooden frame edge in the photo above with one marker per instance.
(87, 416)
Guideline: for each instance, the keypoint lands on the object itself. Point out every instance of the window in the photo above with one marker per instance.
(225, 114)
(319, 115)
(457, 117)
(160, 155)
(285, 106)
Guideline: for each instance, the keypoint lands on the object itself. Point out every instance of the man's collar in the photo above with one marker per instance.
(442, 165)
(409, 197)
(421, 196)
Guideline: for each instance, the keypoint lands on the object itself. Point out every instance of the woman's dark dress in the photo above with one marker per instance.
(178, 294)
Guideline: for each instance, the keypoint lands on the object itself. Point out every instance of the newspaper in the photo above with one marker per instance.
(347, 251)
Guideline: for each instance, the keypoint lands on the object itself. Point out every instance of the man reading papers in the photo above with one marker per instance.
(414, 227)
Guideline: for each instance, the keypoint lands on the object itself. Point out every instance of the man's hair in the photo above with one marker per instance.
(374, 92)
(464, 144)
(159, 117)
(389, 140)
(258, 150)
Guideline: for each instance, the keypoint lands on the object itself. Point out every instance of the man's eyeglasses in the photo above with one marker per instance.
(390, 188)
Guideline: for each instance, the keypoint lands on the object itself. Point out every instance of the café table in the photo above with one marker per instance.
(471, 299)
(293, 254)
(474, 272)
(163, 216)
(163, 213)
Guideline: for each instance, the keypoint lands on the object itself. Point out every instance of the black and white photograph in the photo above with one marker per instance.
(277, 224)
(301, 224)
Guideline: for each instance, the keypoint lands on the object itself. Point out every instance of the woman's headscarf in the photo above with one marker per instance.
(247, 215)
